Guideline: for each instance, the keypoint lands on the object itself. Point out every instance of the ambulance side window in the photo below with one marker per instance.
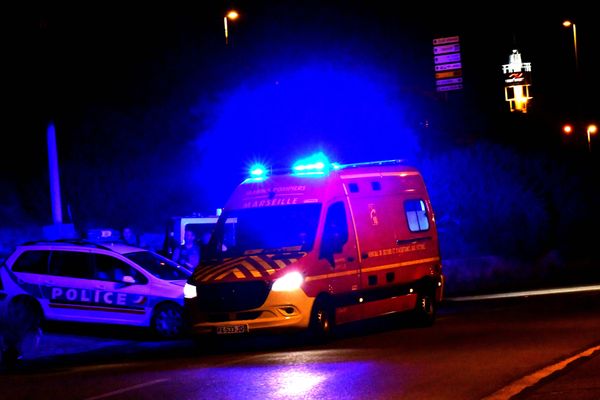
(33, 262)
(416, 215)
(335, 233)
(71, 264)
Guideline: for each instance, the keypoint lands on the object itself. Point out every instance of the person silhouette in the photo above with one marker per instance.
(188, 253)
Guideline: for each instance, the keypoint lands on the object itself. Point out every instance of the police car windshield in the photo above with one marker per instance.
(158, 266)
(279, 228)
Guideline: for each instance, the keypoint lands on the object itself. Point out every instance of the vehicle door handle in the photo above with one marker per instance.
(350, 259)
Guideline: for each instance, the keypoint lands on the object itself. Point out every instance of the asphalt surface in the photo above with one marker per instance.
(73, 344)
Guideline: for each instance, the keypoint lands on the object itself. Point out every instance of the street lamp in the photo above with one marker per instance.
(567, 129)
(567, 24)
(591, 130)
(232, 15)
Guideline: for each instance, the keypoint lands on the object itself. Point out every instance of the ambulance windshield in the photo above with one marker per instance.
(273, 229)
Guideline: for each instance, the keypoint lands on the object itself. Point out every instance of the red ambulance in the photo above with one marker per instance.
(321, 245)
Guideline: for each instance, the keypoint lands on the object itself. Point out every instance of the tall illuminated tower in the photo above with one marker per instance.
(517, 80)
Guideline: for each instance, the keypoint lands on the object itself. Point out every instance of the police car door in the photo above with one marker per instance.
(68, 287)
(121, 291)
(76, 292)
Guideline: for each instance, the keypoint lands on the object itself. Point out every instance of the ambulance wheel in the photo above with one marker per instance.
(321, 321)
(168, 321)
(425, 309)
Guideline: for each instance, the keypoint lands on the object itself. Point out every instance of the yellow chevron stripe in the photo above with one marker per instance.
(266, 265)
(211, 273)
(251, 268)
(238, 274)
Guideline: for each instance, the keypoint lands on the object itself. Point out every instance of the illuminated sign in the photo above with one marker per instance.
(517, 80)
(448, 48)
(445, 40)
(447, 65)
(447, 58)
(448, 74)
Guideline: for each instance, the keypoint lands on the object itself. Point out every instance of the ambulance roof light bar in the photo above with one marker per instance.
(316, 164)
(370, 163)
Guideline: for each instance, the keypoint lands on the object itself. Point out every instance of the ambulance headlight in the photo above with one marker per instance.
(289, 282)
(189, 291)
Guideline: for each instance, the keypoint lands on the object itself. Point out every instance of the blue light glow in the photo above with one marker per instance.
(316, 164)
(297, 383)
(258, 170)
(295, 375)
(348, 110)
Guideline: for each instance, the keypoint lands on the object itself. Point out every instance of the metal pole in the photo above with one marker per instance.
(575, 47)
(54, 180)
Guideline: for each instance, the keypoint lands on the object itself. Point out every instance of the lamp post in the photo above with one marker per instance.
(231, 15)
(568, 24)
(591, 130)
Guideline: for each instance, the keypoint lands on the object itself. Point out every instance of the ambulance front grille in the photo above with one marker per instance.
(232, 296)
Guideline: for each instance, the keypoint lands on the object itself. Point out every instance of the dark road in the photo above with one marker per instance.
(474, 350)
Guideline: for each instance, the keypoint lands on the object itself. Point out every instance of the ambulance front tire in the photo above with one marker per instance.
(321, 321)
(168, 321)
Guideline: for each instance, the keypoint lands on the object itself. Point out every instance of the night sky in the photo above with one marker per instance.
(156, 116)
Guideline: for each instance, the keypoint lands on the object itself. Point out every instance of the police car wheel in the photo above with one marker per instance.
(168, 321)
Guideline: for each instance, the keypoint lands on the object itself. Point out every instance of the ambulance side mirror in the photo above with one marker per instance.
(331, 245)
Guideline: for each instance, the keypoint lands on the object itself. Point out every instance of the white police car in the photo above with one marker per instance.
(82, 281)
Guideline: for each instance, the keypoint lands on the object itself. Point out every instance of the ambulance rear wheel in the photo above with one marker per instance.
(321, 321)
(168, 321)
(425, 310)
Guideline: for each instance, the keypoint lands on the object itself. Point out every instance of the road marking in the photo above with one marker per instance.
(519, 385)
(127, 389)
(525, 293)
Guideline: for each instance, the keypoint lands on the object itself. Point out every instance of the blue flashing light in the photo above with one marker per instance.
(316, 164)
(258, 170)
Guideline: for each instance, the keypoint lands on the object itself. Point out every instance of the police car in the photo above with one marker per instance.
(81, 281)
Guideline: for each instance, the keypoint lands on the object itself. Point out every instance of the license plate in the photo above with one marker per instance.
(231, 329)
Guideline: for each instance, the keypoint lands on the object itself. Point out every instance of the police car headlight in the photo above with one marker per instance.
(189, 291)
(289, 282)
